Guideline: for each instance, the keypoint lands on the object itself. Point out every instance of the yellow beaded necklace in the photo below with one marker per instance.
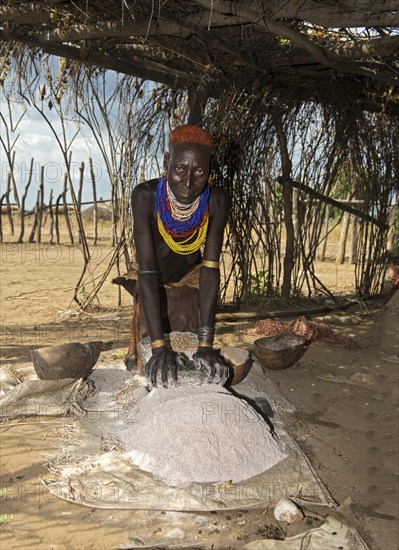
(183, 247)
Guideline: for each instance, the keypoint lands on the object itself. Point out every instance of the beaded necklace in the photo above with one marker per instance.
(178, 210)
(178, 220)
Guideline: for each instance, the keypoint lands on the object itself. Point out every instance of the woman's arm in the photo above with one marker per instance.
(206, 358)
(163, 360)
(146, 259)
(209, 276)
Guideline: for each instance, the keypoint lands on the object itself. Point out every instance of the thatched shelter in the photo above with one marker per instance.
(303, 99)
(303, 49)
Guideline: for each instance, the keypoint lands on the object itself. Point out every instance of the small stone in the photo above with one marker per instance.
(286, 510)
(361, 377)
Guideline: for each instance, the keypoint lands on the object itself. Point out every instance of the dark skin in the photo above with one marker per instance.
(188, 172)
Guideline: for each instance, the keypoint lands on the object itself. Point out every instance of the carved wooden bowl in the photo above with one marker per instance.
(71, 360)
(279, 352)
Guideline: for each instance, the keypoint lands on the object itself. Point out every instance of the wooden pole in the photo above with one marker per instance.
(95, 211)
(3, 196)
(22, 210)
(82, 235)
(197, 99)
(323, 245)
(41, 206)
(342, 206)
(295, 212)
(346, 218)
(80, 189)
(259, 315)
(343, 238)
(9, 209)
(392, 246)
(66, 213)
(57, 217)
(14, 185)
(33, 230)
(51, 217)
(115, 207)
(353, 250)
(287, 205)
(85, 246)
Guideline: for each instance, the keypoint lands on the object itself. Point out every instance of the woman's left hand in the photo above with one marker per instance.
(213, 364)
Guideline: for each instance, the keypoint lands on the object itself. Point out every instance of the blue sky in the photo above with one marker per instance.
(37, 140)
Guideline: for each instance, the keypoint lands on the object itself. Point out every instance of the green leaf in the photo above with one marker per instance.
(4, 518)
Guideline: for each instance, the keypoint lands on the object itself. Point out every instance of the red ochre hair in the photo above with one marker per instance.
(191, 134)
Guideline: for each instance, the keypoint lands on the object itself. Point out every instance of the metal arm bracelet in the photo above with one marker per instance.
(205, 336)
(146, 272)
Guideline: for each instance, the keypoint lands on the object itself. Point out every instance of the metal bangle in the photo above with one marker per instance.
(158, 344)
(145, 272)
(205, 345)
(210, 263)
(206, 335)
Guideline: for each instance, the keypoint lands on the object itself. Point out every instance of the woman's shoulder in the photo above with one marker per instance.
(219, 197)
(143, 197)
(145, 188)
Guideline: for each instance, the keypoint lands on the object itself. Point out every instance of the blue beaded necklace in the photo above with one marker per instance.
(177, 228)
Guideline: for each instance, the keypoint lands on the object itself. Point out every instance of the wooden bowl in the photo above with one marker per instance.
(239, 361)
(72, 360)
(279, 352)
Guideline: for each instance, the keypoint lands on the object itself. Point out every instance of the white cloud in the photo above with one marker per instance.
(36, 140)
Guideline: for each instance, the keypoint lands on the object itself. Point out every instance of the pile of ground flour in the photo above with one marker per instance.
(199, 434)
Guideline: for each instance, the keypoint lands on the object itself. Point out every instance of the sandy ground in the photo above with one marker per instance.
(346, 402)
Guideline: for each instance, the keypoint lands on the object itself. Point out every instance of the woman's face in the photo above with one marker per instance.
(188, 170)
